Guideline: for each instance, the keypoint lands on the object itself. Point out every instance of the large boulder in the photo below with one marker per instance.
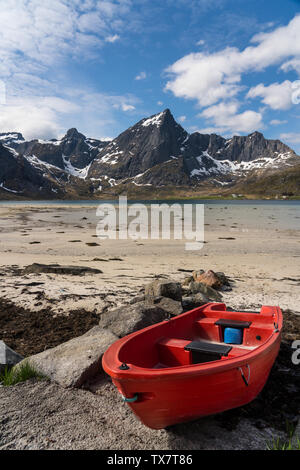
(158, 288)
(170, 306)
(8, 357)
(129, 318)
(72, 363)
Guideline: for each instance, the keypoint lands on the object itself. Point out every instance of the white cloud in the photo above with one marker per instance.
(276, 96)
(277, 122)
(200, 43)
(291, 137)
(49, 116)
(209, 130)
(35, 116)
(141, 76)
(160, 103)
(293, 64)
(217, 77)
(112, 39)
(226, 118)
(127, 107)
(209, 78)
(182, 118)
(36, 38)
(43, 32)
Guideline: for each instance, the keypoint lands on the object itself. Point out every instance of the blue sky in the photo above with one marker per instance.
(224, 66)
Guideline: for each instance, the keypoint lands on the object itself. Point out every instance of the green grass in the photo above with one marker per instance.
(281, 444)
(19, 374)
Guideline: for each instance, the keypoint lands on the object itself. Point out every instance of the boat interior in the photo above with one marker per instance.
(203, 335)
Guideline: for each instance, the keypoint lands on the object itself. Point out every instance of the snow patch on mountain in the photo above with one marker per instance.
(154, 121)
(37, 163)
(11, 150)
(209, 166)
(11, 137)
(78, 172)
(9, 190)
(49, 142)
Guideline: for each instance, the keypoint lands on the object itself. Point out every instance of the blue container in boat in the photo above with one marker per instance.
(233, 335)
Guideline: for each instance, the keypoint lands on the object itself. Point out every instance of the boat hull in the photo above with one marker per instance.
(170, 396)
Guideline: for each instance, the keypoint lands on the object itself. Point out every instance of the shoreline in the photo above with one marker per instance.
(158, 198)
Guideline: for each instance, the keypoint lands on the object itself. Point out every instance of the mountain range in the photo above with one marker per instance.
(154, 158)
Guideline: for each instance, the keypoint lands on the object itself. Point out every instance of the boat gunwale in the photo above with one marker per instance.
(206, 368)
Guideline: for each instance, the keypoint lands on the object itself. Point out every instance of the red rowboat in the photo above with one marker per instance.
(181, 369)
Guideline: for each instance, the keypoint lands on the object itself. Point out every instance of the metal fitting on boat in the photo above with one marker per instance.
(243, 375)
(130, 400)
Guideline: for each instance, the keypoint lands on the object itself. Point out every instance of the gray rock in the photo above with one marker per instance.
(125, 320)
(8, 357)
(223, 278)
(72, 363)
(209, 292)
(58, 269)
(165, 288)
(194, 301)
(137, 298)
(226, 288)
(170, 306)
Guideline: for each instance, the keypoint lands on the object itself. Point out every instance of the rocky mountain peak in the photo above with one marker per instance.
(156, 151)
(164, 118)
(74, 134)
(150, 142)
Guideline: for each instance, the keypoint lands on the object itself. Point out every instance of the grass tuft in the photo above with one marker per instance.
(280, 444)
(19, 374)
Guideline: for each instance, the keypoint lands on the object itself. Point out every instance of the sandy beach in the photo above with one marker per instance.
(256, 246)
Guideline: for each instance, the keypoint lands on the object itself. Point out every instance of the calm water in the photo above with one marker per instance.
(246, 214)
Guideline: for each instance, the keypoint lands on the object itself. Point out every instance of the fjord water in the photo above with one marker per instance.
(249, 214)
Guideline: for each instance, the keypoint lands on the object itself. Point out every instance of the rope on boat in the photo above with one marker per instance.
(243, 375)
(130, 400)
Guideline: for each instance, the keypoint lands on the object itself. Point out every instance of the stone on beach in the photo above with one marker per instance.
(209, 292)
(137, 298)
(8, 357)
(129, 318)
(165, 288)
(193, 301)
(171, 306)
(210, 278)
(72, 363)
(59, 269)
